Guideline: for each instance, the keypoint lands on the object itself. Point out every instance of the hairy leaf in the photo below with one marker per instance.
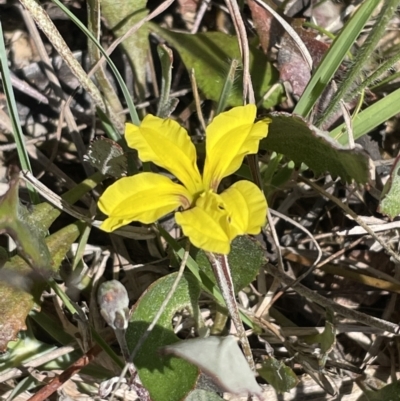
(245, 260)
(278, 375)
(390, 199)
(303, 143)
(107, 157)
(166, 378)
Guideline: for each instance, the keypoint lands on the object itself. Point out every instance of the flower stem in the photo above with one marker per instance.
(222, 273)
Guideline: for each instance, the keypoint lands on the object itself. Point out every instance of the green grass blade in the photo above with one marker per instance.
(334, 57)
(51, 327)
(132, 109)
(370, 118)
(12, 108)
(346, 89)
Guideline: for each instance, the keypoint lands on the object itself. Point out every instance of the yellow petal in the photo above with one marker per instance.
(165, 143)
(247, 208)
(207, 224)
(143, 197)
(229, 138)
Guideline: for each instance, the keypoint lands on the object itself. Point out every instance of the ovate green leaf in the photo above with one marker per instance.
(166, 378)
(278, 375)
(209, 54)
(391, 392)
(303, 143)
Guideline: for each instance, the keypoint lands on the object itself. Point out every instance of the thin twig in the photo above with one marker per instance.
(340, 252)
(390, 307)
(337, 308)
(199, 16)
(346, 209)
(59, 380)
(300, 227)
(374, 227)
(265, 304)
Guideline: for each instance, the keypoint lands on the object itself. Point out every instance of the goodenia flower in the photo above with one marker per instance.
(210, 220)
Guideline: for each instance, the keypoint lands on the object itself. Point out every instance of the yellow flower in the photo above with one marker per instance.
(210, 220)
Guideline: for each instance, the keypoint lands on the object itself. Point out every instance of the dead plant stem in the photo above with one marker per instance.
(350, 212)
(327, 303)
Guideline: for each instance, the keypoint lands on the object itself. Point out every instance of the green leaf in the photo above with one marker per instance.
(245, 260)
(21, 287)
(326, 339)
(303, 143)
(107, 157)
(30, 242)
(370, 118)
(209, 54)
(221, 359)
(166, 378)
(390, 199)
(334, 57)
(391, 392)
(278, 375)
(347, 85)
(227, 86)
(22, 350)
(21, 283)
